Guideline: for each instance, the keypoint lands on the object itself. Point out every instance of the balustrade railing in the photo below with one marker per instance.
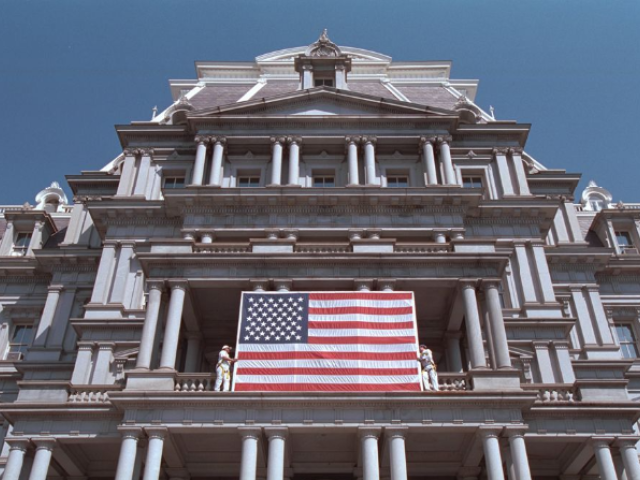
(322, 249)
(453, 382)
(194, 382)
(92, 393)
(221, 248)
(553, 393)
(423, 248)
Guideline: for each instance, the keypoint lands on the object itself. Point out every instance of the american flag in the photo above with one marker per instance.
(327, 342)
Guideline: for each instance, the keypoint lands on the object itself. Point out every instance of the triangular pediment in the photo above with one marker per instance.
(321, 101)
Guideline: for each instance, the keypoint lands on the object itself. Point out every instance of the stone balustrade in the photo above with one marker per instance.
(322, 249)
(553, 393)
(194, 382)
(423, 248)
(92, 393)
(221, 248)
(453, 382)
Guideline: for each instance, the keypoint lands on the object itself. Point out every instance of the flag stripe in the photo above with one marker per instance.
(328, 371)
(381, 356)
(358, 317)
(329, 379)
(305, 347)
(367, 325)
(361, 340)
(360, 296)
(327, 363)
(361, 310)
(323, 387)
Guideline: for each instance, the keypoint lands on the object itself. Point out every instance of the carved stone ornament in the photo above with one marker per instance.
(323, 47)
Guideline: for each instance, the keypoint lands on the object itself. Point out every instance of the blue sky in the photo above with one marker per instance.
(71, 70)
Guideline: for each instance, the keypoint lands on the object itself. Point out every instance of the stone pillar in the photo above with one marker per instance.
(521, 176)
(102, 367)
(277, 443)
(363, 285)
(454, 355)
(122, 270)
(564, 362)
(294, 160)
(386, 285)
(518, 449)
(604, 460)
(496, 324)
(149, 330)
(276, 160)
(192, 360)
(36, 238)
(154, 452)
(82, 370)
(248, 464)
(48, 314)
(544, 361)
(128, 450)
(197, 177)
(503, 171)
(585, 324)
(61, 318)
(42, 459)
(592, 292)
(137, 467)
(472, 322)
(103, 277)
(172, 327)
(282, 285)
(143, 172)
(307, 77)
(370, 160)
(17, 449)
(215, 177)
(429, 161)
(369, 444)
(352, 159)
(440, 237)
(629, 455)
(206, 238)
(397, 454)
(447, 163)
(526, 277)
(6, 243)
(544, 276)
(127, 172)
(491, 447)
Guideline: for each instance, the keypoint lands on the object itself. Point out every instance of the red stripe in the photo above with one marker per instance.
(383, 356)
(360, 340)
(329, 387)
(327, 371)
(360, 296)
(362, 310)
(367, 325)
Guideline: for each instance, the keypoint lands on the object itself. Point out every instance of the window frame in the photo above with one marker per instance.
(19, 250)
(22, 345)
(323, 176)
(623, 342)
(250, 177)
(174, 177)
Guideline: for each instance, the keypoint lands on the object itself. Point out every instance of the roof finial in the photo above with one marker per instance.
(154, 112)
(492, 110)
(323, 47)
(324, 37)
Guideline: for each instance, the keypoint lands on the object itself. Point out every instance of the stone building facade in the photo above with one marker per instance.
(320, 168)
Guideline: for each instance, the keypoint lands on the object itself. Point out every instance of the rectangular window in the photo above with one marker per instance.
(627, 338)
(20, 341)
(324, 181)
(173, 182)
(472, 181)
(397, 181)
(21, 245)
(248, 181)
(624, 239)
(323, 82)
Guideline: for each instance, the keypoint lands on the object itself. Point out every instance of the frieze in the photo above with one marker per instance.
(332, 209)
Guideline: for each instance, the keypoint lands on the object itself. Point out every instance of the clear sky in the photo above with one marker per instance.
(71, 70)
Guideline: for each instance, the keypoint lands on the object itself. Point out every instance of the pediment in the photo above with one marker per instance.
(320, 102)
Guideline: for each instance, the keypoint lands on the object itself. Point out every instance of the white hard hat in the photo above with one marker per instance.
(227, 347)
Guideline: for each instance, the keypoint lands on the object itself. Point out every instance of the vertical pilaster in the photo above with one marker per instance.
(472, 323)
(496, 324)
(42, 459)
(199, 164)
(142, 177)
(294, 160)
(102, 369)
(103, 277)
(526, 276)
(154, 452)
(6, 243)
(585, 324)
(454, 354)
(277, 443)
(82, 370)
(564, 362)
(276, 160)
(352, 159)
(429, 161)
(127, 173)
(544, 276)
(215, 177)
(61, 318)
(48, 314)
(500, 155)
(36, 237)
(491, 447)
(370, 160)
(369, 445)
(592, 293)
(447, 163)
(150, 327)
(543, 359)
(250, 437)
(122, 270)
(172, 328)
(521, 176)
(397, 454)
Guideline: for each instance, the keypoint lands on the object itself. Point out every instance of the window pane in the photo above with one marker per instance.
(624, 239)
(247, 181)
(627, 338)
(397, 181)
(23, 240)
(471, 182)
(173, 182)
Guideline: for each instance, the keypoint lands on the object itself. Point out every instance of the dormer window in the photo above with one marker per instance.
(323, 82)
(323, 65)
(21, 244)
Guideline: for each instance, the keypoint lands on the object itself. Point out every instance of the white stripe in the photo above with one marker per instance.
(360, 303)
(300, 347)
(358, 317)
(327, 379)
(359, 332)
(327, 363)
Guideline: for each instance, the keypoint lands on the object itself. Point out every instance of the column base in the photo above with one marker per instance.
(507, 379)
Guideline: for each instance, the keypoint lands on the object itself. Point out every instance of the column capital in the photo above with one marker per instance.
(45, 443)
(363, 285)
(201, 139)
(155, 284)
(444, 139)
(106, 346)
(600, 442)
(259, 284)
(84, 345)
(277, 140)
(250, 432)
(147, 152)
(516, 151)
(21, 444)
(500, 151)
(489, 431)
(395, 432)
(488, 283)
(156, 432)
(624, 442)
(465, 284)
(355, 139)
(561, 345)
(515, 430)
(283, 285)
(424, 140)
(355, 234)
(178, 285)
(294, 139)
(386, 284)
(541, 344)
(218, 140)
(369, 139)
(369, 432)
(127, 431)
(276, 432)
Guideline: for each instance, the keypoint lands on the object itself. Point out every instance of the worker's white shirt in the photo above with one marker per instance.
(426, 360)
(224, 360)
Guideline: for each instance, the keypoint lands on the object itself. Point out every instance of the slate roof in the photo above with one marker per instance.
(426, 95)
(217, 95)
(373, 88)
